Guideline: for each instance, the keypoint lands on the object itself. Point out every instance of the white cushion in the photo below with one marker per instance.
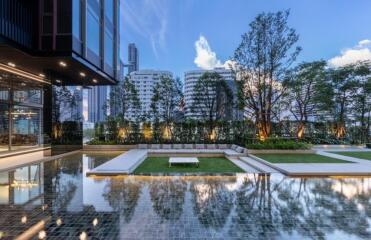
(177, 146)
(239, 149)
(188, 146)
(142, 146)
(222, 146)
(210, 146)
(234, 147)
(155, 146)
(200, 146)
(166, 146)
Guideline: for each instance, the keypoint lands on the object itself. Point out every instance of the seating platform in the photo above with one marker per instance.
(183, 160)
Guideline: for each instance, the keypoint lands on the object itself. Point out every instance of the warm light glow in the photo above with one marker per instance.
(63, 64)
(122, 133)
(22, 73)
(43, 207)
(2, 234)
(212, 135)
(24, 219)
(41, 75)
(42, 234)
(166, 134)
(82, 74)
(23, 184)
(147, 132)
(95, 222)
(58, 222)
(83, 236)
(11, 64)
(95, 80)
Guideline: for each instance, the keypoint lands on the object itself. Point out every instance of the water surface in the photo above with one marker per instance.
(245, 206)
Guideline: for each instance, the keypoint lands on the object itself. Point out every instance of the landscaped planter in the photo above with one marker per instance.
(279, 151)
(109, 147)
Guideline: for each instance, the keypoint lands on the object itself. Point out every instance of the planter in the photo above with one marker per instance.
(108, 147)
(279, 151)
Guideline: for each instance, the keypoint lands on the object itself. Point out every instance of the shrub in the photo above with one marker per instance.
(279, 144)
(368, 145)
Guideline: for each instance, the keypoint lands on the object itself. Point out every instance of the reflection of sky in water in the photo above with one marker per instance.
(245, 206)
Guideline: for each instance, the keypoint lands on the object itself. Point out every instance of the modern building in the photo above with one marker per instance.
(145, 81)
(190, 80)
(133, 58)
(51, 50)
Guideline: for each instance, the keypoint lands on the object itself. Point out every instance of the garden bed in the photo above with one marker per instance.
(155, 165)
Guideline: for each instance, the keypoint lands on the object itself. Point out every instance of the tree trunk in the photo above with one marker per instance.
(300, 130)
(264, 130)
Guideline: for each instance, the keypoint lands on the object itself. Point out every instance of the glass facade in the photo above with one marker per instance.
(93, 36)
(109, 36)
(21, 112)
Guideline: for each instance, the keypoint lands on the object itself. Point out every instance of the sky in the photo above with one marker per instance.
(184, 35)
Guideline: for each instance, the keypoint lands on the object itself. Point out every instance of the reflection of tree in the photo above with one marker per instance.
(122, 195)
(212, 202)
(167, 196)
(308, 207)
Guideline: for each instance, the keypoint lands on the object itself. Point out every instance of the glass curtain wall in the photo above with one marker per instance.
(21, 104)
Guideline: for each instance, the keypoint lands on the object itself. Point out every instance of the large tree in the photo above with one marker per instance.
(344, 83)
(212, 98)
(166, 101)
(262, 61)
(124, 98)
(304, 92)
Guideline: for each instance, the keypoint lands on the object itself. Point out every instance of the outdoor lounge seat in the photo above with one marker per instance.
(222, 146)
(211, 146)
(188, 146)
(155, 146)
(177, 146)
(187, 151)
(166, 146)
(142, 146)
(200, 146)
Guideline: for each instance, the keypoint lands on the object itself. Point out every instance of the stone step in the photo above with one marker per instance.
(247, 168)
(258, 165)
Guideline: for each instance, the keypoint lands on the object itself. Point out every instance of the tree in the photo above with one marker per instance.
(344, 83)
(262, 61)
(212, 99)
(124, 98)
(304, 92)
(166, 100)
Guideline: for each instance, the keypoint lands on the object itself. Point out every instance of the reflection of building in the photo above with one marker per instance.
(133, 58)
(145, 81)
(44, 45)
(97, 102)
(190, 80)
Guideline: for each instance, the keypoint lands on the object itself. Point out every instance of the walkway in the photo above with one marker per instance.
(258, 165)
(247, 168)
(123, 164)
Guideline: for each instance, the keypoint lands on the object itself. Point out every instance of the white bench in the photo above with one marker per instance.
(191, 160)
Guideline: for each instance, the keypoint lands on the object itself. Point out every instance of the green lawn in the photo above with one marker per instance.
(299, 158)
(207, 165)
(362, 155)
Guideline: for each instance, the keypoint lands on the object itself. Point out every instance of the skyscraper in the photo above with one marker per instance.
(97, 99)
(133, 58)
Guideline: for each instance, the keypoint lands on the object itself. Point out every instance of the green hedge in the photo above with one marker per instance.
(368, 145)
(279, 144)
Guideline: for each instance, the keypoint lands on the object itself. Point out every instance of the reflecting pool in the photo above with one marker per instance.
(55, 200)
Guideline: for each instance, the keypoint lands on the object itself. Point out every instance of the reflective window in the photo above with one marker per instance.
(4, 127)
(108, 10)
(76, 11)
(93, 26)
(27, 96)
(108, 48)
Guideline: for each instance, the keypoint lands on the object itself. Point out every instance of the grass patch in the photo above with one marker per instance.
(207, 165)
(362, 155)
(299, 158)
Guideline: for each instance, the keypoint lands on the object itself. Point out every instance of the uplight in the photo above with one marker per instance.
(63, 64)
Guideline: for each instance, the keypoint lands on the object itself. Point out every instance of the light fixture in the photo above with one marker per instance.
(11, 64)
(58, 81)
(23, 84)
(82, 74)
(41, 75)
(24, 219)
(42, 234)
(63, 64)
(95, 80)
(59, 222)
(83, 236)
(95, 222)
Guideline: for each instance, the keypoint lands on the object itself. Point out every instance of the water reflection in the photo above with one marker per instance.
(246, 206)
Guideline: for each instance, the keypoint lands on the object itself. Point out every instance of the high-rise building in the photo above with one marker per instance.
(190, 80)
(49, 50)
(145, 81)
(133, 58)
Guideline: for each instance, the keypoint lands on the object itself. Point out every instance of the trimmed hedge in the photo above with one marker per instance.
(368, 145)
(279, 144)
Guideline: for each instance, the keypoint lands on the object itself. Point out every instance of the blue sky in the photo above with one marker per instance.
(166, 31)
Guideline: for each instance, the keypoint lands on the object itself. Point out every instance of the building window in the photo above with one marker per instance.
(93, 38)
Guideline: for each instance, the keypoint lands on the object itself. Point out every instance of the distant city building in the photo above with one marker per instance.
(97, 100)
(190, 80)
(145, 81)
(133, 58)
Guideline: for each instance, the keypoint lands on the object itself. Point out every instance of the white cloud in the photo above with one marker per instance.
(205, 57)
(360, 52)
